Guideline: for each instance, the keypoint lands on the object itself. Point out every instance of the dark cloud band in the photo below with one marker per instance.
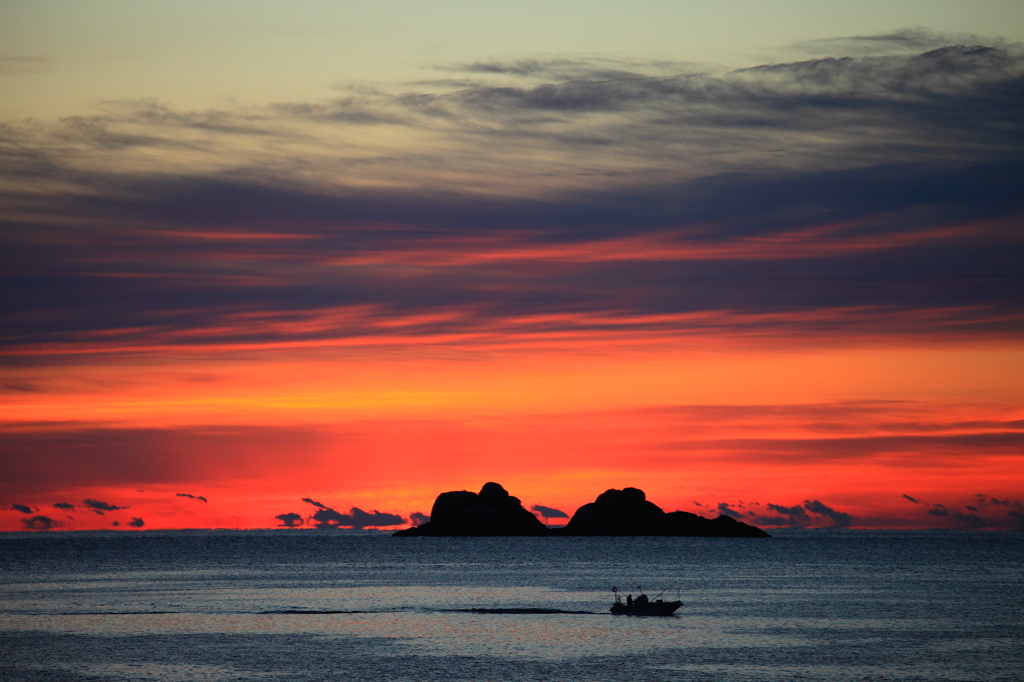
(892, 211)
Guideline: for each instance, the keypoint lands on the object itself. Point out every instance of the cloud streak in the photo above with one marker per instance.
(100, 507)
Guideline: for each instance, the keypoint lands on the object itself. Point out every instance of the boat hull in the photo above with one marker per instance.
(654, 608)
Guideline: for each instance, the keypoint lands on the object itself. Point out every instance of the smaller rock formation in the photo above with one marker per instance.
(628, 512)
(492, 511)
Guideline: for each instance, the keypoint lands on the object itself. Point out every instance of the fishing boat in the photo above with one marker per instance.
(642, 606)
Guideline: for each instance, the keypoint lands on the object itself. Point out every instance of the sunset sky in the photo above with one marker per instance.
(266, 260)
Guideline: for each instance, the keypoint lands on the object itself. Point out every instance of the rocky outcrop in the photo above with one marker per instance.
(492, 511)
(617, 512)
(628, 512)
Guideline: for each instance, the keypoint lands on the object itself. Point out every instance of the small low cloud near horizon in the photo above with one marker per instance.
(40, 523)
(999, 513)
(725, 510)
(290, 520)
(810, 514)
(326, 517)
(722, 264)
(547, 513)
(99, 506)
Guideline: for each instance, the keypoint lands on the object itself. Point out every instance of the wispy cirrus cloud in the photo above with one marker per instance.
(585, 195)
(906, 41)
(20, 64)
(619, 116)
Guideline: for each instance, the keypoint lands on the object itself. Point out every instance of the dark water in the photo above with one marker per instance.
(306, 605)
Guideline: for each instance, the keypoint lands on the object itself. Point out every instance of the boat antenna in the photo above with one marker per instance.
(640, 588)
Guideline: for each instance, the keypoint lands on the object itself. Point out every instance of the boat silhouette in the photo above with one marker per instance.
(642, 606)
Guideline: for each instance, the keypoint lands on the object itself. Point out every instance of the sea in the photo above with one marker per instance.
(312, 605)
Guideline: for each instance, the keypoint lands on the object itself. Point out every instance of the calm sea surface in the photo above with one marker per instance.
(309, 605)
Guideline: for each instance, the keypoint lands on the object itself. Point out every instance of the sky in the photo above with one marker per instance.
(309, 264)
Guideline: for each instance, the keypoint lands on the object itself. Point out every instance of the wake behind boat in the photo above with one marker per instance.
(642, 606)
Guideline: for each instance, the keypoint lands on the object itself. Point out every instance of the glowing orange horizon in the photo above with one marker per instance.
(855, 429)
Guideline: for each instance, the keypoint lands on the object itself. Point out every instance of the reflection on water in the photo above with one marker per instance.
(295, 606)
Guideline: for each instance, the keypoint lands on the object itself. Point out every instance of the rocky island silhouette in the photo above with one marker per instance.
(493, 512)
